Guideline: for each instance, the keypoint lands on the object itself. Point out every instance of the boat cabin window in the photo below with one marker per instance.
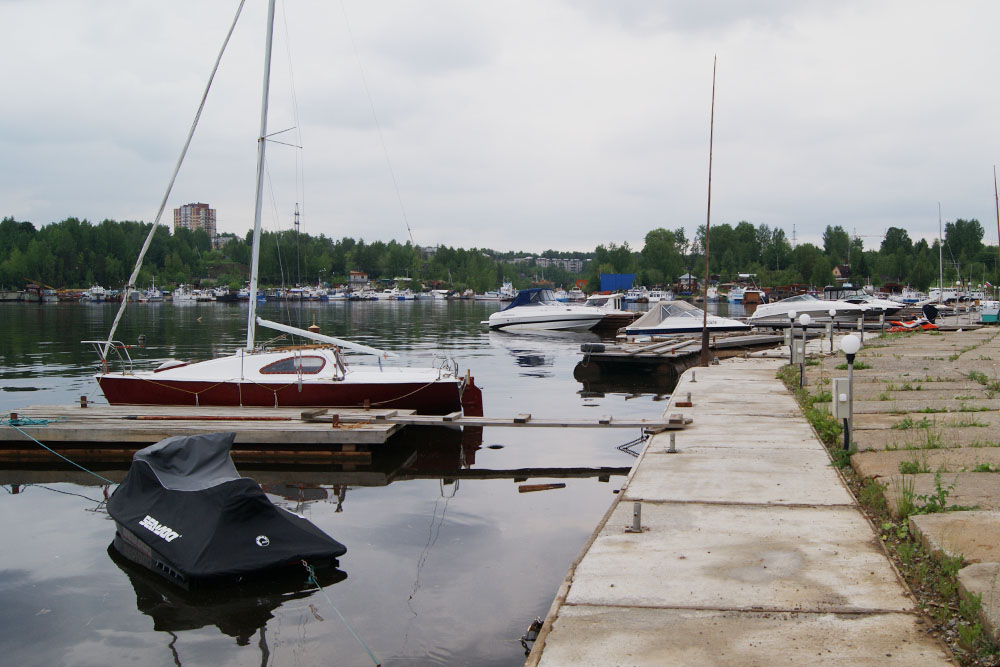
(291, 365)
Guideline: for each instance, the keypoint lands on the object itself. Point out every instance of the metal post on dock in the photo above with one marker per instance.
(804, 320)
(636, 526)
(861, 328)
(791, 336)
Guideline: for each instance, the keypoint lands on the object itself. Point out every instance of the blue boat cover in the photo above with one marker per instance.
(531, 297)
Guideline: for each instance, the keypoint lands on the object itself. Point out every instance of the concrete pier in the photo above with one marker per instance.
(750, 550)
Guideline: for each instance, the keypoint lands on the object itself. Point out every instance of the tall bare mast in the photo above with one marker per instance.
(996, 199)
(940, 258)
(705, 356)
(261, 143)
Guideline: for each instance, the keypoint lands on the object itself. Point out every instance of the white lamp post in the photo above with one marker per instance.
(804, 320)
(850, 345)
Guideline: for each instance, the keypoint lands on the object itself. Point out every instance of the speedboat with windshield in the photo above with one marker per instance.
(673, 318)
(873, 305)
(537, 309)
(780, 312)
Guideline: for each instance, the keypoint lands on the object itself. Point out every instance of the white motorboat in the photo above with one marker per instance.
(779, 312)
(610, 306)
(876, 306)
(395, 294)
(95, 294)
(675, 318)
(183, 294)
(657, 295)
(637, 295)
(537, 309)
(505, 293)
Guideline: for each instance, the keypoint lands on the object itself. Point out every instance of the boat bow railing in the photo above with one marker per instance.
(121, 354)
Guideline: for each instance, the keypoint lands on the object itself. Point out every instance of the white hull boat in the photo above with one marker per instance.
(780, 312)
(680, 318)
(536, 309)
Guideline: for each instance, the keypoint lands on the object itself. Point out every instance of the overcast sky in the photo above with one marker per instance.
(516, 125)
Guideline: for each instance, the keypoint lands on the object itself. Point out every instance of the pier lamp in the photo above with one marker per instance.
(791, 336)
(849, 344)
(804, 320)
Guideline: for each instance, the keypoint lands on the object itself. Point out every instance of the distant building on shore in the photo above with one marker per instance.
(195, 216)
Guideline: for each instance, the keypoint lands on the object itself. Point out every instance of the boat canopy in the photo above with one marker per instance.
(664, 309)
(533, 296)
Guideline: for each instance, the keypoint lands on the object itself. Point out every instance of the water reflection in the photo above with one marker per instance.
(238, 612)
(441, 514)
(535, 350)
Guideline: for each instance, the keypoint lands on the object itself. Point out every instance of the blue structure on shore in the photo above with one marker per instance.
(617, 282)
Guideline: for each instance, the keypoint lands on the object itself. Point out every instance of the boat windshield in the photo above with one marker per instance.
(535, 296)
(799, 298)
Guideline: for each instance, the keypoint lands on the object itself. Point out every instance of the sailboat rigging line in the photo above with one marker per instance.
(170, 185)
(10, 422)
(287, 129)
(312, 579)
(378, 125)
(300, 195)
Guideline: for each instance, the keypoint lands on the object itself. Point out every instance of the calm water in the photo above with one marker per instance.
(439, 570)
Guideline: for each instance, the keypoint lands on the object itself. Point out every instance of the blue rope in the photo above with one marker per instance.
(312, 578)
(33, 422)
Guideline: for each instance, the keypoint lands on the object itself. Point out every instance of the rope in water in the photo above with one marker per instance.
(312, 579)
(22, 421)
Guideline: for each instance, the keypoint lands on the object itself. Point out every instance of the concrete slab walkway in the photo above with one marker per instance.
(752, 551)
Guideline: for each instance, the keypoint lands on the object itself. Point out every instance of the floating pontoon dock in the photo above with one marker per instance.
(312, 430)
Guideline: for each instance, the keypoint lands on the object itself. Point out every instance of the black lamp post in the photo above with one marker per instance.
(850, 345)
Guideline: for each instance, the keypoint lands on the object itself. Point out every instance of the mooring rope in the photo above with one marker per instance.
(16, 423)
(312, 578)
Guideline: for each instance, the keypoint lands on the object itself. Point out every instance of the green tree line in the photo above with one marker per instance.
(767, 253)
(76, 253)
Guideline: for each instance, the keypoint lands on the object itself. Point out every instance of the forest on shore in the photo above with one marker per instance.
(76, 253)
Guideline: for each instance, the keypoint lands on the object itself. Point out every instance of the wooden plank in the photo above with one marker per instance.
(308, 415)
(528, 488)
(665, 346)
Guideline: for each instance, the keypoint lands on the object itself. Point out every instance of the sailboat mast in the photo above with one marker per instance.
(996, 200)
(261, 143)
(705, 354)
(940, 258)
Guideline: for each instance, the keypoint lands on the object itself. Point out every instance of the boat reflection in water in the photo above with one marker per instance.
(658, 379)
(237, 611)
(633, 385)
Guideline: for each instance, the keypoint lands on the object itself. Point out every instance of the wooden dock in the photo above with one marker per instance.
(116, 424)
(259, 430)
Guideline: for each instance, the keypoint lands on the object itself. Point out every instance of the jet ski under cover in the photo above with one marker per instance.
(184, 512)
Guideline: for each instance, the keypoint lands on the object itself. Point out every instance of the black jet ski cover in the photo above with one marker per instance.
(185, 512)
